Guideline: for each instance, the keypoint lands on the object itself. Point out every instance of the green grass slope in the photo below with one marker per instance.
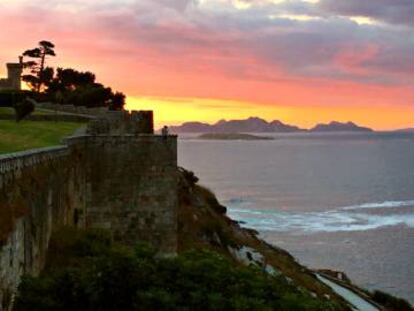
(32, 134)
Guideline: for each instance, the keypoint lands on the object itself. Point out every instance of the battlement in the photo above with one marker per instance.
(122, 123)
(14, 66)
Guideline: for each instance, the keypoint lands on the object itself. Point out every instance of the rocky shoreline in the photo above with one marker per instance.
(203, 223)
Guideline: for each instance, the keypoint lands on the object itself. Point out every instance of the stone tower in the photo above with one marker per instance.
(14, 73)
(131, 178)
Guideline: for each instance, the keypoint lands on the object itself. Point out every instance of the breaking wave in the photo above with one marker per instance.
(349, 218)
(386, 204)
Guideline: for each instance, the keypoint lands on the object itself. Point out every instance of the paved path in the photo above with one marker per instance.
(355, 300)
(80, 131)
(59, 112)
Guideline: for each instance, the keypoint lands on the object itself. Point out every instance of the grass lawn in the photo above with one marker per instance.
(33, 134)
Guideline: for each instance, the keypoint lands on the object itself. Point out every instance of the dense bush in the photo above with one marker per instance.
(19, 100)
(23, 109)
(87, 272)
(10, 98)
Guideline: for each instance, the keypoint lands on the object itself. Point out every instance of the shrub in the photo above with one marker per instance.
(8, 98)
(116, 278)
(211, 200)
(23, 109)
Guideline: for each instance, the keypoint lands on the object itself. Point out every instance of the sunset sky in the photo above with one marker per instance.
(298, 61)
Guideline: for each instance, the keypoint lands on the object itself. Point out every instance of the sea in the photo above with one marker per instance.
(342, 201)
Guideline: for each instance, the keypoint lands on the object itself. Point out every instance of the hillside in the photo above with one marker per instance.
(203, 224)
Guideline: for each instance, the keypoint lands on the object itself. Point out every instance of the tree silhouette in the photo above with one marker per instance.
(66, 85)
(78, 88)
(69, 79)
(117, 102)
(39, 75)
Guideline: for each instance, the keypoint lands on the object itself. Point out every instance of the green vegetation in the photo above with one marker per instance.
(32, 134)
(86, 271)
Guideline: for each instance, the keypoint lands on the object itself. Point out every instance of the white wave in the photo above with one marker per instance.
(313, 222)
(247, 211)
(385, 204)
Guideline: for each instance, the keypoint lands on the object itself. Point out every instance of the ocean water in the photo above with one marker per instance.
(340, 201)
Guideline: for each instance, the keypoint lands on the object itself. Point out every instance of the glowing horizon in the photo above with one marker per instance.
(212, 110)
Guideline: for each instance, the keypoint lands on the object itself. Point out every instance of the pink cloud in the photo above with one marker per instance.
(352, 59)
(148, 48)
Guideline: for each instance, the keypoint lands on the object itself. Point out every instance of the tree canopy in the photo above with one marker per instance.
(38, 75)
(72, 87)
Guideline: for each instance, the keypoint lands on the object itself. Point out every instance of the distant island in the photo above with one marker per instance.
(233, 136)
(335, 126)
(258, 125)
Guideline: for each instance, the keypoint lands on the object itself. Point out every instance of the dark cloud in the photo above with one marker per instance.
(389, 11)
(179, 5)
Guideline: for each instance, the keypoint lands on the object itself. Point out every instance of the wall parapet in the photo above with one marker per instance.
(122, 122)
(19, 160)
(127, 137)
(93, 111)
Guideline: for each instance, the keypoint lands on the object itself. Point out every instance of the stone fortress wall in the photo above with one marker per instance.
(123, 178)
(39, 190)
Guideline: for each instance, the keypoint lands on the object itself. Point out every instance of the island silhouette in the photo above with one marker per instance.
(258, 125)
